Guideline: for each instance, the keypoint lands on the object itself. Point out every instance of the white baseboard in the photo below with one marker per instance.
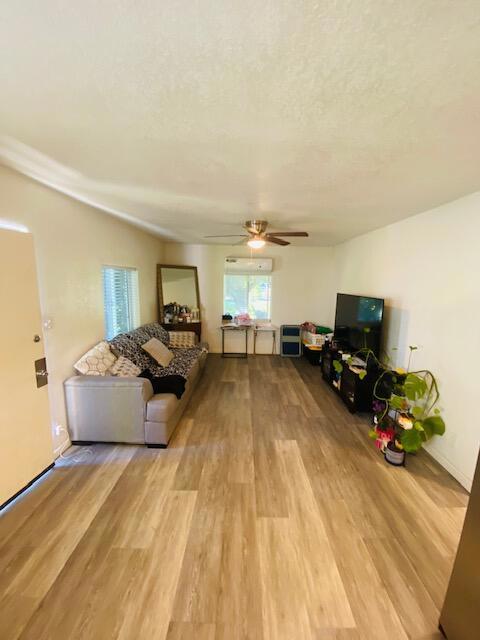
(464, 480)
(57, 452)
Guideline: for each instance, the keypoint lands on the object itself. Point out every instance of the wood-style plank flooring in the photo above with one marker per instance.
(270, 516)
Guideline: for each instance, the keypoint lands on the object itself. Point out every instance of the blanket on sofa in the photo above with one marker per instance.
(166, 384)
(130, 346)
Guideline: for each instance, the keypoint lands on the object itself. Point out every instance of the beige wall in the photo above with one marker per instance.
(72, 242)
(302, 285)
(427, 267)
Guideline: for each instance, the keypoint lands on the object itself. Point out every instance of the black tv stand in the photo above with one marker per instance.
(356, 393)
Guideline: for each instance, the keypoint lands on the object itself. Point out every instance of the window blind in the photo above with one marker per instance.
(121, 300)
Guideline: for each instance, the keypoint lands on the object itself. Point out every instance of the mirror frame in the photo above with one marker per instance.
(160, 289)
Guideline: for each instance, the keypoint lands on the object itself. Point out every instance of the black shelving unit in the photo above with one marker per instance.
(314, 356)
(357, 394)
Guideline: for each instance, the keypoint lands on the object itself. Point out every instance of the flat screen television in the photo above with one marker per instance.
(353, 315)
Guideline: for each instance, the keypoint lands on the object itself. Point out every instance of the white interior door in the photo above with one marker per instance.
(25, 433)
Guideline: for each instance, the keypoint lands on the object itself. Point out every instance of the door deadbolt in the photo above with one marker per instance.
(41, 372)
(36, 338)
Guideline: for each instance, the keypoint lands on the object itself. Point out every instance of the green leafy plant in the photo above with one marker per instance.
(406, 402)
(410, 402)
(338, 366)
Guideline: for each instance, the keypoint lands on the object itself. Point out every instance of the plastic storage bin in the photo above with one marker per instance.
(291, 340)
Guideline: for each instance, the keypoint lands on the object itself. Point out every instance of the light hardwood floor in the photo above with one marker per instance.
(270, 516)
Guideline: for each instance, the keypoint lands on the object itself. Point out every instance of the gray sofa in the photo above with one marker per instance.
(113, 409)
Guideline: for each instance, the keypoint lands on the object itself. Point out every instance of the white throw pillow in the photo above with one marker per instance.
(158, 351)
(124, 368)
(97, 361)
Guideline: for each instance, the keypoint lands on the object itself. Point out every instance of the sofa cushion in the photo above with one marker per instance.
(155, 330)
(181, 364)
(161, 407)
(125, 345)
(139, 335)
(158, 351)
(97, 361)
(130, 345)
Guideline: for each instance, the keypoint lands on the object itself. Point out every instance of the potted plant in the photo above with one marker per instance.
(406, 414)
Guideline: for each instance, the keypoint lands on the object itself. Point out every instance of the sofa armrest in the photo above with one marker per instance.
(113, 382)
(107, 408)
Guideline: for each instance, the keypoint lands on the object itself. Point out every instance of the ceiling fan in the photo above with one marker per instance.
(257, 235)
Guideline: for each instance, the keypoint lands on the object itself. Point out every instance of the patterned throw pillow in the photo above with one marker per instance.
(124, 368)
(97, 361)
(183, 339)
(125, 345)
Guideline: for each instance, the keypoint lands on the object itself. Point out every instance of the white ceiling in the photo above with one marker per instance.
(190, 117)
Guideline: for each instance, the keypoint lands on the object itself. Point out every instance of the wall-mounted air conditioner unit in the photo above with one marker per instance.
(248, 265)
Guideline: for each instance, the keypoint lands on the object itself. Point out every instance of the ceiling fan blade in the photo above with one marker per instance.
(230, 235)
(296, 234)
(274, 240)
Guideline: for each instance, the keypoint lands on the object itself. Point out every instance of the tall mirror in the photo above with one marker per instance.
(178, 297)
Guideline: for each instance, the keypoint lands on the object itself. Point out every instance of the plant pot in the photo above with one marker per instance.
(394, 455)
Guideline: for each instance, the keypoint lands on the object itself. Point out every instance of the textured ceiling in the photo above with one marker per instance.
(333, 117)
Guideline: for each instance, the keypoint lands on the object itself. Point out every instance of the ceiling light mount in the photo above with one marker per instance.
(256, 242)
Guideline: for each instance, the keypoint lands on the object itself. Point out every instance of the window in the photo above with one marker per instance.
(120, 298)
(247, 294)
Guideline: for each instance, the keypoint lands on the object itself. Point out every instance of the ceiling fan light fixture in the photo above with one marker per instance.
(256, 242)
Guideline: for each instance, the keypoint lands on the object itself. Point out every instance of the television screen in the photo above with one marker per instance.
(353, 315)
